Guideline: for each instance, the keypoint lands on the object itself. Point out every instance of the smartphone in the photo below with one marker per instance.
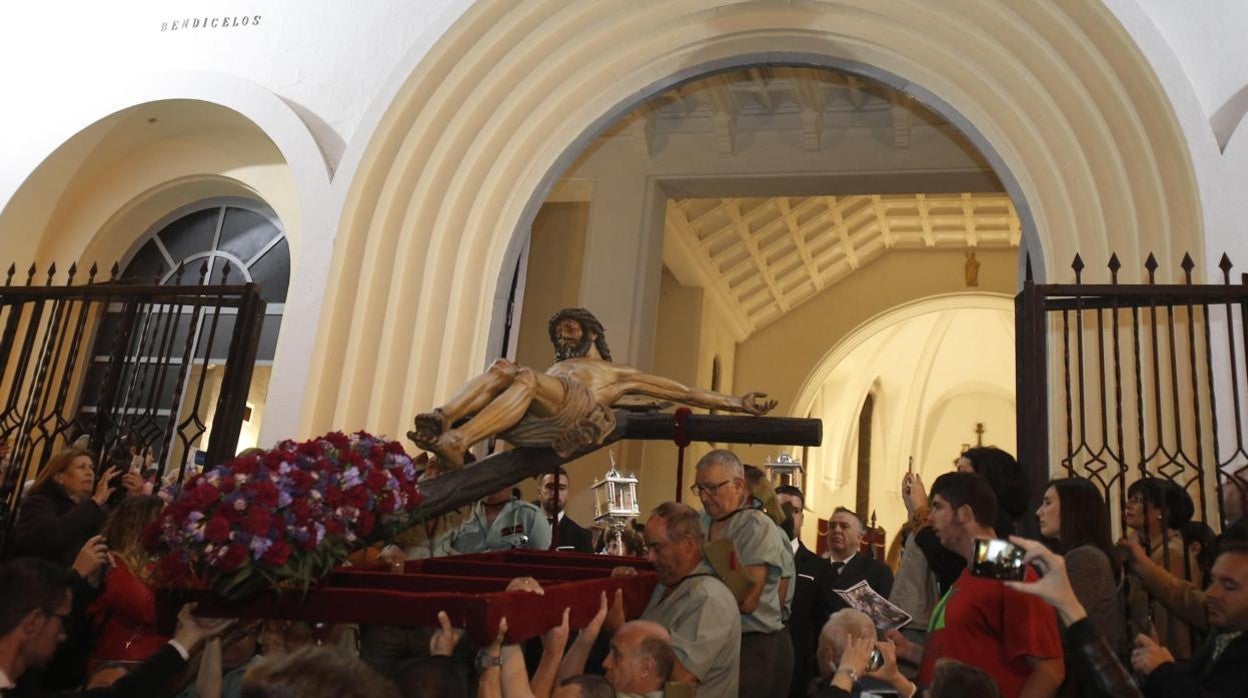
(999, 559)
(910, 466)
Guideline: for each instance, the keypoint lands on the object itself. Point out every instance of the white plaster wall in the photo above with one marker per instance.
(330, 61)
(937, 367)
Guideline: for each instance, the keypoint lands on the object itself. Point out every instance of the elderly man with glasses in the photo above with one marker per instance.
(766, 649)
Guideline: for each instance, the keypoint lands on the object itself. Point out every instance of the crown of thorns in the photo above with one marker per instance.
(588, 323)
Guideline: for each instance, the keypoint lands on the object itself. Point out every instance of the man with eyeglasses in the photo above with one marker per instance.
(35, 601)
(692, 603)
(766, 649)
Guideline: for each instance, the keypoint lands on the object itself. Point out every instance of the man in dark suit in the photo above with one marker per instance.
(810, 609)
(35, 599)
(847, 564)
(553, 497)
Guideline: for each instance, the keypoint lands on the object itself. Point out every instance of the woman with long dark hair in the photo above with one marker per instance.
(1074, 518)
(64, 508)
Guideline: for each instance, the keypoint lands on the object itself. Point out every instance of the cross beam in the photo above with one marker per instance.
(461, 487)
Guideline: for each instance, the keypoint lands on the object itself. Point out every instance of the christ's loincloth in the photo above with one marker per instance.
(579, 422)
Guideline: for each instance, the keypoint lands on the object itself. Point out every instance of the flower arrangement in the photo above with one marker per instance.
(286, 516)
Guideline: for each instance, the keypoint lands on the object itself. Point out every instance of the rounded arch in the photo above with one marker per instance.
(881, 323)
(1059, 99)
(284, 158)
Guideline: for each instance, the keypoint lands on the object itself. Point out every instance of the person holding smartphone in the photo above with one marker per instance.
(1011, 636)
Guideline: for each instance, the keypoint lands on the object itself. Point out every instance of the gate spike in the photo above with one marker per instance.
(1187, 264)
(225, 273)
(1077, 265)
(1151, 265)
(177, 275)
(95, 269)
(115, 272)
(51, 272)
(73, 270)
(1225, 265)
(1028, 275)
(8, 279)
(1114, 266)
(30, 273)
(203, 272)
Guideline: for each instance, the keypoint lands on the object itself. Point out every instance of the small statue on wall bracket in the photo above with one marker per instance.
(972, 269)
(567, 408)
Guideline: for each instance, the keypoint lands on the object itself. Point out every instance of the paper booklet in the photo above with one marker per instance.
(885, 615)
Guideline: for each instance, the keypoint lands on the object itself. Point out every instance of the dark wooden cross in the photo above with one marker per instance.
(465, 486)
(979, 433)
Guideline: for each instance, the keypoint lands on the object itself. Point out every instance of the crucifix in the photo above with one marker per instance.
(979, 441)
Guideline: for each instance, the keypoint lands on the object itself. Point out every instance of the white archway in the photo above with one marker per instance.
(504, 102)
(123, 213)
(936, 367)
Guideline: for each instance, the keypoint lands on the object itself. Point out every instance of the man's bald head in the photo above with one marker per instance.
(641, 657)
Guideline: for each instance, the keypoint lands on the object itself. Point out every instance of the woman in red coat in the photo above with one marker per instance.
(123, 617)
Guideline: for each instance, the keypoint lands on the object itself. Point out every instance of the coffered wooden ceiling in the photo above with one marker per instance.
(758, 258)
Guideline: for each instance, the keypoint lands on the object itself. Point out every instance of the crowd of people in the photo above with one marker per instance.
(741, 606)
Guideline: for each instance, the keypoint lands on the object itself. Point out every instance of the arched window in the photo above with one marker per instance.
(863, 498)
(232, 240)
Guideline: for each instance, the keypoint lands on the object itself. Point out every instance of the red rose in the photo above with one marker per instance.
(357, 497)
(310, 448)
(376, 478)
(334, 527)
(217, 529)
(333, 495)
(386, 502)
(300, 480)
(364, 524)
(234, 557)
(203, 495)
(263, 492)
(228, 484)
(257, 521)
(247, 465)
(396, 448)
(277, 554)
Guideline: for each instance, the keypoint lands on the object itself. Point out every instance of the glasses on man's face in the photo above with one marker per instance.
(699, 488)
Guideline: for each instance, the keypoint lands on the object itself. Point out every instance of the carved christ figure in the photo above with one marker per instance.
(567, 408)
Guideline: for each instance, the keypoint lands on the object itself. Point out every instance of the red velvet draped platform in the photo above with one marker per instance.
(470, 588)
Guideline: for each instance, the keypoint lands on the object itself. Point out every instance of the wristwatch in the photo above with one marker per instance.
(485, 660)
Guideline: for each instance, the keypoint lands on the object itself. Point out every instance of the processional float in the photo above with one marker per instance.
(305, 506)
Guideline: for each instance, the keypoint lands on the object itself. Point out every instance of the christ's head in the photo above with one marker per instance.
(575, 333)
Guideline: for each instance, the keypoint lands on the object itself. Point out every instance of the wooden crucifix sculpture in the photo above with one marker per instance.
(566, 408)
(567, 412)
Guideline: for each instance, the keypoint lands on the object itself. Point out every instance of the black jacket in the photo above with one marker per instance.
(877, 575)
(53, 527)
(1202, 677)
(147, 679)
(810, 612)
(570, 536)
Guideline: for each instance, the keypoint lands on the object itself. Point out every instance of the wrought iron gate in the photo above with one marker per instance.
(1153, 383)
(110, 364)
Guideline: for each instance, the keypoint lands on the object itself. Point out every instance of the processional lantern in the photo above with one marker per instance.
(784, 470)
(615, 496)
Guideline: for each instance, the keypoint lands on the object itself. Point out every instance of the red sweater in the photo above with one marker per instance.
(123, 618)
